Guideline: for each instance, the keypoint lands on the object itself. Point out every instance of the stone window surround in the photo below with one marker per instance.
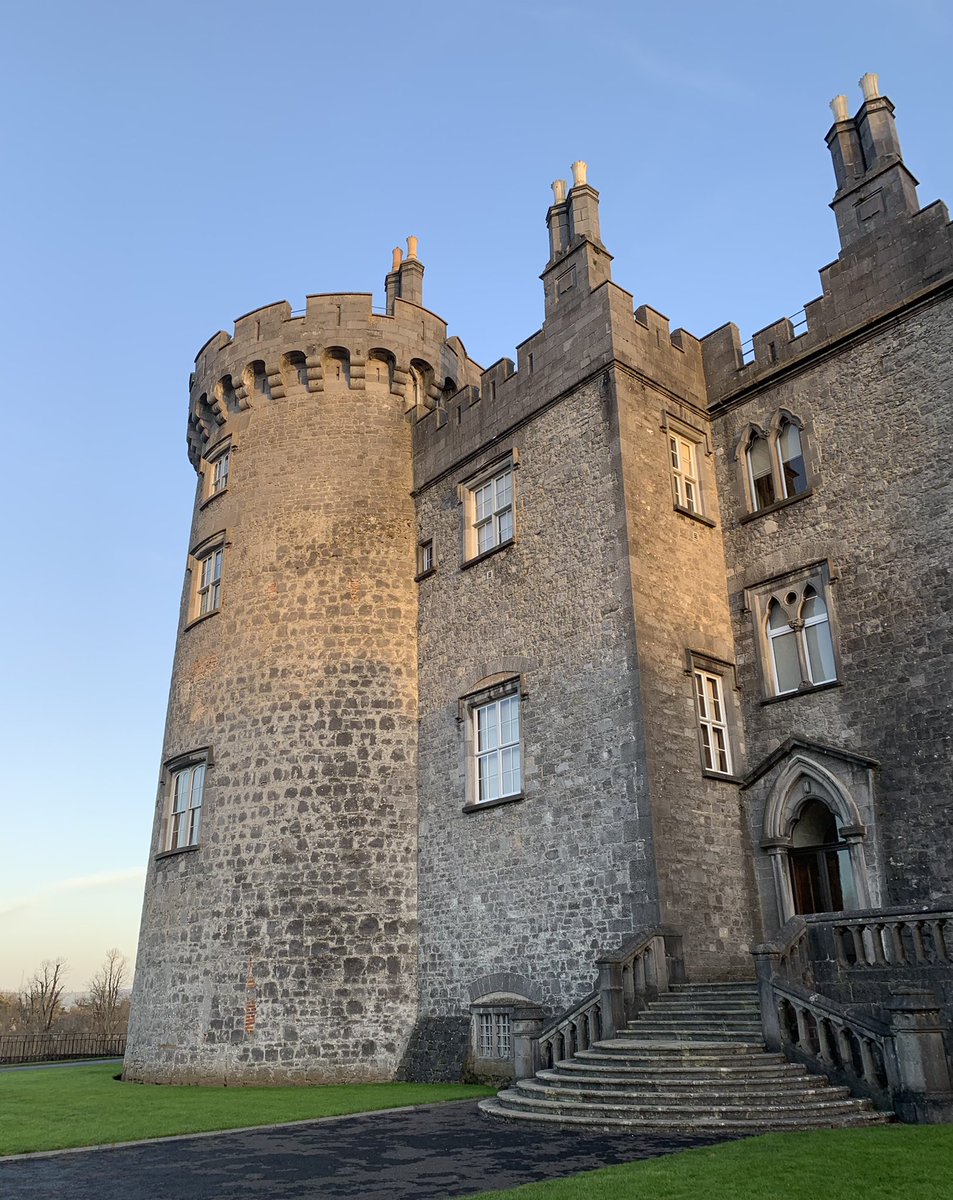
(171, 767)
(822, 575)
(771, 433)
(698, 439)
(223, 448)
(424, 571)
(466, 495)
(493, 687)
(709, 664)
(197, 556)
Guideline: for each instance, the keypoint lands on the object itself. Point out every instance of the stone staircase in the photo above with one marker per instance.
(694, 1060)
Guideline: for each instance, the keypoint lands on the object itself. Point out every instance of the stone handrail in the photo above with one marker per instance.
(574, 1030)
(901, 1062)
(629, 978)
(894, 939)
(857, 1050)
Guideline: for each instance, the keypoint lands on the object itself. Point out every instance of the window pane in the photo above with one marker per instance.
(787, 667)
(485, 537)
(504, 490)
(502, 1035)
(706, 747)
(690, 496)
(511, 770)
(820, 652)
(759, 463)
(721, 749)
(700, 694)
(777, 617)
(792, 461)
(714, 693)
(509, 720)
(489, 777)
(674, 445)
(198, 784)
(487, 728)
(813, 605)
(179, 780)
(483, 504)
(506, 525)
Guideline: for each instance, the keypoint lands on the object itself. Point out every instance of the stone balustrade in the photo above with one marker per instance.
(895, 1048)
(629, 979)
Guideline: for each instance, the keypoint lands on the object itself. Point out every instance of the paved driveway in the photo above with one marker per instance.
(429, 1153)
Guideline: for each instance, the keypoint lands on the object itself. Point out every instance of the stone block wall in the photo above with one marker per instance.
(705, 883)
(877, 421)
(303, 686)
(536, 887)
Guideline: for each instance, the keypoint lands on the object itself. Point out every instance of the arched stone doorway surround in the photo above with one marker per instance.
(804, 782)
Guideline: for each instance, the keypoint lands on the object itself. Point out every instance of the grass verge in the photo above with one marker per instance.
(837, 1164)
(86, 1106)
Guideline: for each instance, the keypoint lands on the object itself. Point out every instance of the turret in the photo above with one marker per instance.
(874, 187)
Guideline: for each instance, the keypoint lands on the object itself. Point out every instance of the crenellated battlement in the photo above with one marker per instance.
(338, 340)
(870, 280)
(599, 330)
(891, 252)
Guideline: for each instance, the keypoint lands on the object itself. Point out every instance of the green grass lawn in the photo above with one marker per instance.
(887, 1163)
(85, 1106)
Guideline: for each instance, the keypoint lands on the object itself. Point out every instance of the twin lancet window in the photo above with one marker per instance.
(775, 467)
(800, 642)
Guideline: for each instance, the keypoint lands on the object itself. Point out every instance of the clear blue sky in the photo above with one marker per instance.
(171, 166)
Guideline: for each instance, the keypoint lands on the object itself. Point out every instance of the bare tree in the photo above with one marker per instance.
(105, 1000)
(41, 1001)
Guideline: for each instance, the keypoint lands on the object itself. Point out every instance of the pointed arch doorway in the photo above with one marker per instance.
(822, 874)
(815, 838)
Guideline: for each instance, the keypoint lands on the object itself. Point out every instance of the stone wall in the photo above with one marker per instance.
(677, 565)
(535, 887)
(303, 686)
(877, 421)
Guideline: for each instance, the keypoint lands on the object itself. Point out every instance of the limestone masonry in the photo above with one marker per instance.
(481, 673)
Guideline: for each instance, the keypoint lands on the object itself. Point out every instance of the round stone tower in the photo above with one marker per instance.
(278, 939)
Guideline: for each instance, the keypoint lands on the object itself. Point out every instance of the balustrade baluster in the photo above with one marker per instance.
(867, 1058)
(916, 933)
(879, 943)
(839, 948)
(803, 1034)
(943, 938)
(858, 943)
(640, 980)
(844, 1047)
(824, 1042)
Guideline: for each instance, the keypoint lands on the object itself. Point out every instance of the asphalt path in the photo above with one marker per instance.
(433, 1152)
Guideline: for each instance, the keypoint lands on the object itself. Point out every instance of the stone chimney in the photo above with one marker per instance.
(874, 187)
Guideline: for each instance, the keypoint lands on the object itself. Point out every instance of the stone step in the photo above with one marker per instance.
(493, 1108)
(629, 1050)
(663, 1070)
(670, 1003)
(741, 985)
(709, 1093)
(690, 1080)
(698, 1021)
(767, 1114)
(693, 1060)
(690, 1037)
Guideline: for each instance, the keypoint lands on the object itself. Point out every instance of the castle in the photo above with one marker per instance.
(481, 672)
